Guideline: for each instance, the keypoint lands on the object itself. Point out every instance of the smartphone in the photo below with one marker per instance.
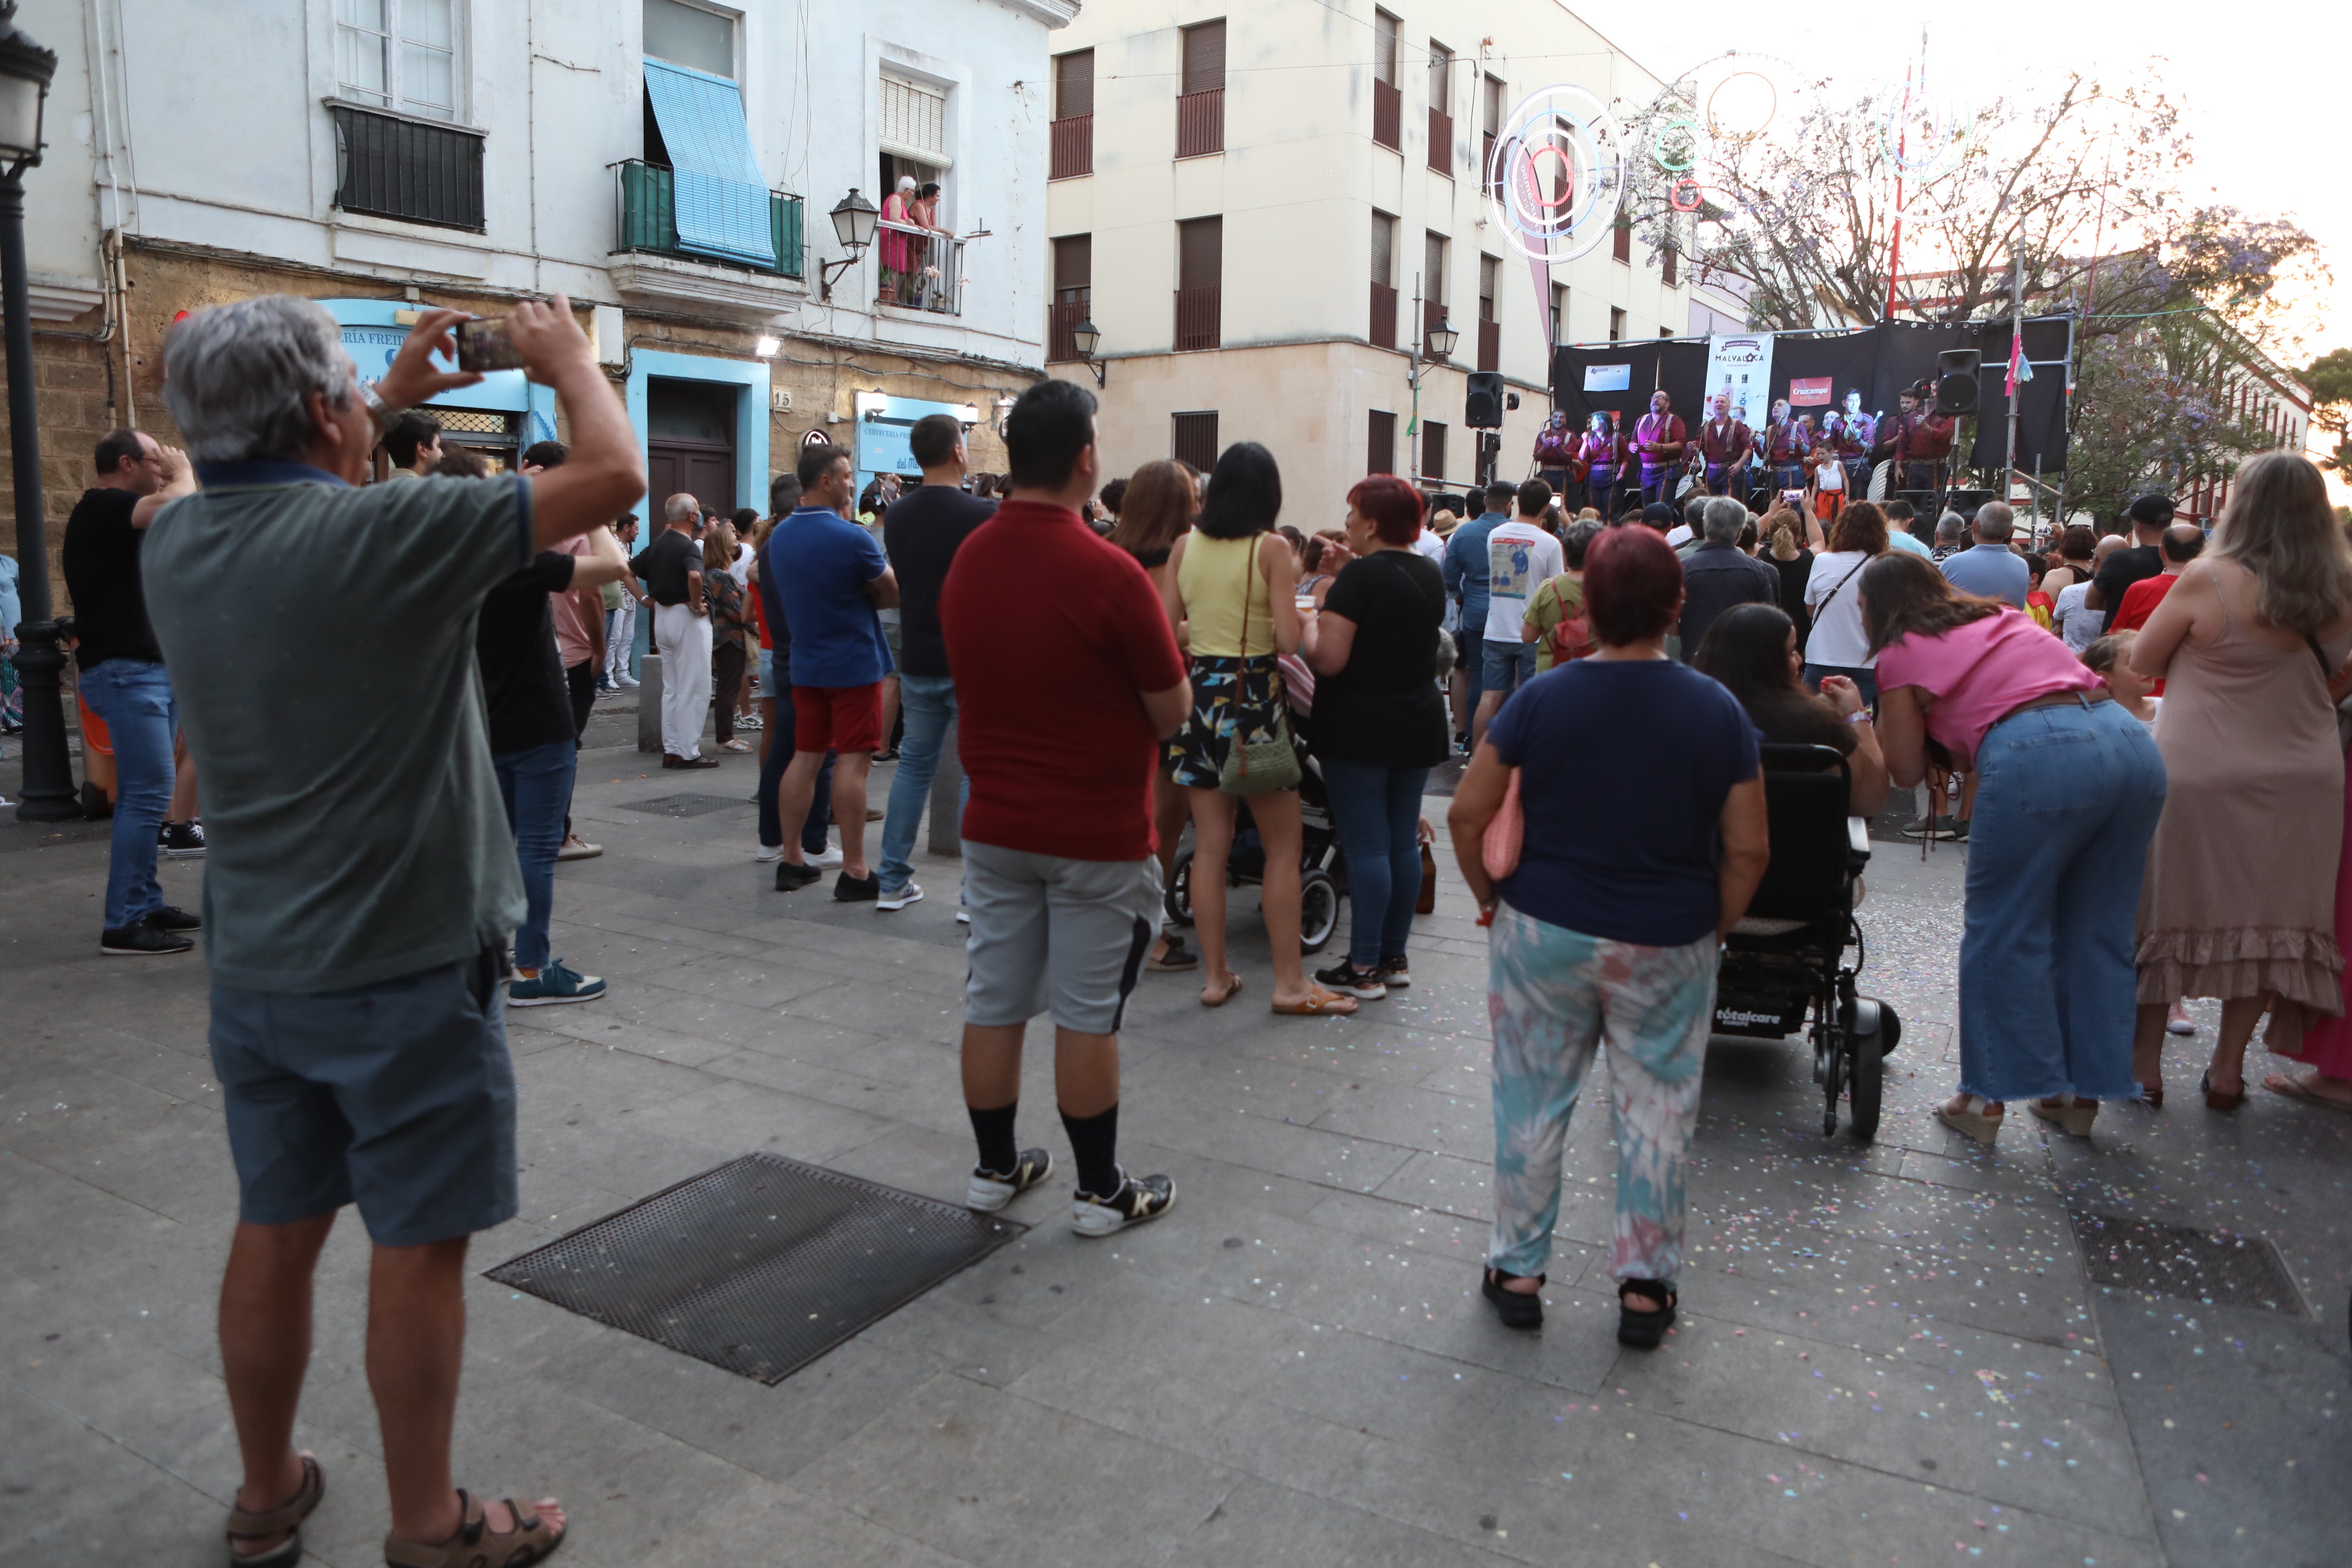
(1792, 497)
(483, 345)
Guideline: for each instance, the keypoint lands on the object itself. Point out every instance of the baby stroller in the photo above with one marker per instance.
(1788, 956)
(1322, 872)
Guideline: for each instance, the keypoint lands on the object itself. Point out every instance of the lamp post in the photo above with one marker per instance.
(1086, 340)
(25, 68)
(1440, 340)
(853, 219)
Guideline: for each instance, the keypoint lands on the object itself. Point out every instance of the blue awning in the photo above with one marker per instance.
(722, 206)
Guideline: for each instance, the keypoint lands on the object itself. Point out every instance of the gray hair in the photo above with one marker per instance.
(1950, 526)
(681, 508)
(238, 377)
(1996, 520)
(1725, 518)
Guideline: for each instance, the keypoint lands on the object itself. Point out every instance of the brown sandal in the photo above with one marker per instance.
(476, 1545)
(284, 1520)
(1320, 1003)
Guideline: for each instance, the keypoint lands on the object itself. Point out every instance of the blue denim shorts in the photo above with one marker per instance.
(399, 1097)
(1507, 666)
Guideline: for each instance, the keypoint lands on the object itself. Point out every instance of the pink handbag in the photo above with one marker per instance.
(1506, 834)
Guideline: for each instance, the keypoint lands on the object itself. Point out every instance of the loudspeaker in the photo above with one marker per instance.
(1956, 380)
(1482, 410)
(1966, 501)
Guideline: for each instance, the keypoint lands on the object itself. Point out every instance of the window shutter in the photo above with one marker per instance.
(1204, 58)
(1433, 270)
(1201, 253)
(1074, 263)
(1379, 456)
(1384, 249)
(915, 122)
(1384, 48)
(1074, 84)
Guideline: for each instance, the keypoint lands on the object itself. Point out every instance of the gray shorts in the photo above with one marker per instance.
(398, 1095)
(1050, 933)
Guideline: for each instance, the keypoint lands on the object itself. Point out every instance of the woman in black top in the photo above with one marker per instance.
(1785, 548)
(1379, 722)
(1752, 650)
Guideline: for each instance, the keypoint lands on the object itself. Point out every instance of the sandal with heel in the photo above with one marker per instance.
(1517, 1308)
(1645, 1331)
(2220, 1098)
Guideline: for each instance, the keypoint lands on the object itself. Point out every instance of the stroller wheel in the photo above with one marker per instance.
(1319, 910)
(1178, 896)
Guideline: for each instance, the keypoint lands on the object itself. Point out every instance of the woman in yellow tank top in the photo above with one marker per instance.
(1233, 579)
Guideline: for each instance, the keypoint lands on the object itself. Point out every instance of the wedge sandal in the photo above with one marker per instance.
(476, 1545)
(1645, 1331)
(285, 1520)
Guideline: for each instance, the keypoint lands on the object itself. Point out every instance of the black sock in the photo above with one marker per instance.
(994, 1131)
(1094, 1142)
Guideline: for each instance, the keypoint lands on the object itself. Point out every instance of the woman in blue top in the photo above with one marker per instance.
(1645, 838)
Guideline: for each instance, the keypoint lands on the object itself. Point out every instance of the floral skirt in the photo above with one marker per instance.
(1234, 700)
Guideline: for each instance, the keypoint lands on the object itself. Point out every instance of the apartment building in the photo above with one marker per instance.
(1262, 210)
(673, 165)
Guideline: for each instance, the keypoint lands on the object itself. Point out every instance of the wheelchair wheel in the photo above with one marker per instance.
(1319, 910)
(1178, 898)
(1871, 1032)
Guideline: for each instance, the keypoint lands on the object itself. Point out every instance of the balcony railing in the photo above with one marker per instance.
(1441, 140)
(647, 206)
(1200, 124)
(1074, 147)
(1384, 317)
(1388, 116)
(922, 268)
(1198, 317)
(392, 167)
(1061, 329)
(1490, 345)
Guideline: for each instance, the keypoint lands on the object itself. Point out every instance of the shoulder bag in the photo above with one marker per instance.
(1258, 767)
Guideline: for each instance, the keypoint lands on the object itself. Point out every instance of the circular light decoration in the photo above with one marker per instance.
(1658, 145)
(1741, 104)
(1917, 128)
(1685, 195)
(1556, 175)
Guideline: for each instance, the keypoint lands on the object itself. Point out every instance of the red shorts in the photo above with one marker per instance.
(846, 719)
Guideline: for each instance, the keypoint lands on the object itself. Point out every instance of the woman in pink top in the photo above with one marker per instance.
(2069, 789)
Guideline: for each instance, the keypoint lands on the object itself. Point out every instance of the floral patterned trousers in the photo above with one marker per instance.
(1553, 996)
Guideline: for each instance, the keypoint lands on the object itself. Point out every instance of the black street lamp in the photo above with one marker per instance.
(25, 68)
(1086, 339)
(853, 219)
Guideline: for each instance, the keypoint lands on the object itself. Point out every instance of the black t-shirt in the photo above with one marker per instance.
(1794, 575)
(523, 688)
(101, 562)
(1383, 707)
(921, 533)
(2116, 575)
(663, 565)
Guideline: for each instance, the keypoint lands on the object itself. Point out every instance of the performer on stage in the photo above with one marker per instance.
(1727, 442)
(1660, 437)
(1917, 439)
(1602, 451)
(1554, 452)
(1856, 433)
(1787, 444)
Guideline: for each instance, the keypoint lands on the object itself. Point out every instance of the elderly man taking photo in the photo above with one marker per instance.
(362, 880)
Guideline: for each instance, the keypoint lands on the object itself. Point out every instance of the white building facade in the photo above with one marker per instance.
(670, 165)
(1246, 201)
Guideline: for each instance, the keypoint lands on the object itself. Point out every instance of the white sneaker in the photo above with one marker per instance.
(989, 1192)
(828, 860)
(1139, 1199)
(627, 684)
(770, 852)
(963, 916)
(899, 898)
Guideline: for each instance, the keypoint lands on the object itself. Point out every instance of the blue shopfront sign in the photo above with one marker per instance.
(373, 336)
(883, 422)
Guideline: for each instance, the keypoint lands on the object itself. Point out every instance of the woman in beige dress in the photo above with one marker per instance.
(2239, 901)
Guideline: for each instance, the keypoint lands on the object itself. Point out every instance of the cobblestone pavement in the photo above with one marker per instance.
(1889, 1353)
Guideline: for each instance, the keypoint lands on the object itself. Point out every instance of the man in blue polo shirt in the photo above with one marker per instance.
(833, 578)
(1468, 571)
(1990, 570)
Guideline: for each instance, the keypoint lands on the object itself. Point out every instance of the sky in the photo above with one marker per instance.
(2257, 95)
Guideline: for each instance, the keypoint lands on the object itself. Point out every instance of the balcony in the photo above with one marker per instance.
(647, 261)
(389, 165)
(1073, 148)
(922, 268)
(1441, 140)
(1199, 319)
(1388, 116)
(1062, 320)
(1200, 124)
(1490, 345)
(1383, 333)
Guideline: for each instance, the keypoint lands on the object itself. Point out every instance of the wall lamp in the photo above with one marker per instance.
(853, 224)
(1086, 340)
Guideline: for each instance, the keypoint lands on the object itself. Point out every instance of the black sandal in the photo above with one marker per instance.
(1517, 1308)
(1644, 1331)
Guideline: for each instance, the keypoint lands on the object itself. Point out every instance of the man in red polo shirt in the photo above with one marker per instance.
(1067, 680)
(2178, 546)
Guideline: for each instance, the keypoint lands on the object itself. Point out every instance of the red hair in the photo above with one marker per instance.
(1392, 505)
(1633, 583)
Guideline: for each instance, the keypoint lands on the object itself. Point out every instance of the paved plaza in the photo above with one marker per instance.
(1888, 1355)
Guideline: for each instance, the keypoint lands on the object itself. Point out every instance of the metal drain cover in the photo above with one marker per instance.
(2214, 1267)
(682, 805)
(761, 1266)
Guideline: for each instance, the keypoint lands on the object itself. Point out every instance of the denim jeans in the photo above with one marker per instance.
(2067, 799)
(778, 663)
(928, 704)
(134, 698)
(536, 784)
(1377, 813)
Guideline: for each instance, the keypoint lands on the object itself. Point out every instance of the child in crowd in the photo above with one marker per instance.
(2110, 658)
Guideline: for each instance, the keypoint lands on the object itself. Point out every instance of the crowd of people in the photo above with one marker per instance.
(377, 894)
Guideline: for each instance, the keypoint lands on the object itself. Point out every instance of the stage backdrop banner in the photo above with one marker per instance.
(1738, 370)
(1609, 377)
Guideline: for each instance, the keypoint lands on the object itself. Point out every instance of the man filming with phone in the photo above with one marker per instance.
(362, 882)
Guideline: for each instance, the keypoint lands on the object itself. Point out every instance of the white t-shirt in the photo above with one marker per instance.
(1830, 477)
(2154, 710)
(1833, 595)
(1522, 558)
(1680, 535)
(2078, 627)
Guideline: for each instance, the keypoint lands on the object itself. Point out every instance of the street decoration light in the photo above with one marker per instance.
(1086, 338)
(25, 68)
(853, 224)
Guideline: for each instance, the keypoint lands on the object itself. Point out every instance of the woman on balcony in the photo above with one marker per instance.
(931, 285)
(897, 245)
